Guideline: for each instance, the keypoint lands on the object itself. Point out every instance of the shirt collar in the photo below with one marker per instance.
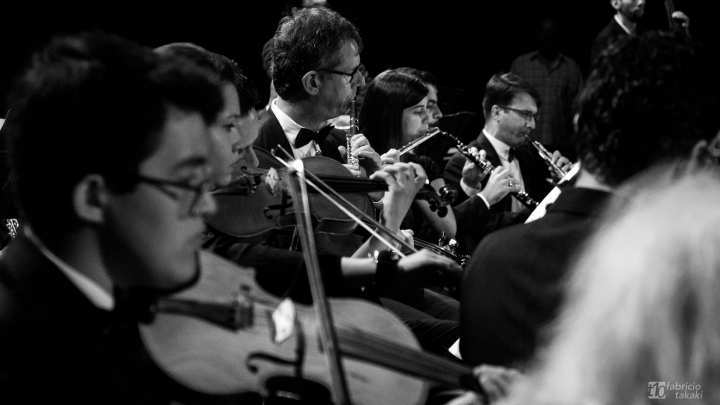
(289, 126)
(96, 294)
(626, 29)
(502, 149)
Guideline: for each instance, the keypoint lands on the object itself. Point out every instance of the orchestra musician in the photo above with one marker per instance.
(111, 154)
(394, 113)
(510, 105)
(628, 21)
(632, 115)
(282, 272)
(316, 58)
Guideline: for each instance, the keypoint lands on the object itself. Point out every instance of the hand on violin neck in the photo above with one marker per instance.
(682, 21)
(428, 263)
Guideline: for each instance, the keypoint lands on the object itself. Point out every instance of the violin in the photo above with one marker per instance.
(269, 207)
(220, 337)
(258, 202)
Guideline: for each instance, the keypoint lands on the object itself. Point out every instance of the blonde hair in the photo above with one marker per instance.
(643, 302)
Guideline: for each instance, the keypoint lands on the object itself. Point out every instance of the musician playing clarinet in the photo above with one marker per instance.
(632, 114)
(510, 106)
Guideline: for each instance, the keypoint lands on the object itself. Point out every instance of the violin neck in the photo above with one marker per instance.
(410, 361)
(346, 185)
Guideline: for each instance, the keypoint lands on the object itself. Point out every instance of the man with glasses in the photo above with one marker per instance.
(510, 108)
(632, 114)
(316, 62)
(111, 150)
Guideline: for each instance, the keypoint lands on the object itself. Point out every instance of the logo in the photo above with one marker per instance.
(660, 389)
(657, 390)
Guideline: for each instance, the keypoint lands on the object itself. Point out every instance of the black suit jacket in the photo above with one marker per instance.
(51, 333)
(611, 33)
(514, 284)
(271, 135)
(474, 219)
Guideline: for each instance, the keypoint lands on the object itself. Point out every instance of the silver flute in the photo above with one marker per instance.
(348, 137)
(558, 173)
(410, 146)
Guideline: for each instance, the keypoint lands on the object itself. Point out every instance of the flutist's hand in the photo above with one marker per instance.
(472, 175)
(390, 157)
(362, 149)
(562, 162)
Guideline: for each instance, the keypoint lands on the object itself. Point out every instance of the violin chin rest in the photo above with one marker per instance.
(284, 390)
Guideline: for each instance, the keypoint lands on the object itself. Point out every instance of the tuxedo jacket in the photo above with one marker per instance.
(474, 218)
(271, 135)
(51, 344)
(612, 32)
(56, 346)
(514, 283)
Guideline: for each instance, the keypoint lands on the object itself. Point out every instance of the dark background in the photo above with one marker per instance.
(462, 42)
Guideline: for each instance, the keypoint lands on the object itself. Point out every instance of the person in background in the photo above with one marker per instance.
(558, 80)
(628, 21)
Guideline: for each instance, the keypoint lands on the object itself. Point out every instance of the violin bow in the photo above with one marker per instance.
(670, 9)
(359, 221)
(327, 329)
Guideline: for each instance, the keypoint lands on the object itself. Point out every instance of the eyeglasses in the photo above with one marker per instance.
(523, 113)
(188, 200)
(351, 75)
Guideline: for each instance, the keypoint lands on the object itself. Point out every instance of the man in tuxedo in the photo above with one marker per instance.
(316, 58)
(510, 106)
(111, 151)
(632, 114)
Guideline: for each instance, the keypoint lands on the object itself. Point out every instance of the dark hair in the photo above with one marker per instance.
(503, 88)
(387, 96)
(308, 40)
(222, 67)
(94, 103)
(426, 77)
(647, 98)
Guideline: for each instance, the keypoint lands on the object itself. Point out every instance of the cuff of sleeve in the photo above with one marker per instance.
(469, 191)
(484, 199)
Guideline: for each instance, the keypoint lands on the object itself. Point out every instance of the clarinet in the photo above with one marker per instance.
(348, 137)
(487, 168)
(547, 157)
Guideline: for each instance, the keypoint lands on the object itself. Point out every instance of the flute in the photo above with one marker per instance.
(410, 146)
(348, 137)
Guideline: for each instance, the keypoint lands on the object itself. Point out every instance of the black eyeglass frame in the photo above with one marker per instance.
(160, 184)
(351, 75)
(523, 113)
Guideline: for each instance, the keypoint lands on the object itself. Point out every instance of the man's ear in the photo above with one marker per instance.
(495, 112)
(615, 4)
(90, 197)
(311, 82)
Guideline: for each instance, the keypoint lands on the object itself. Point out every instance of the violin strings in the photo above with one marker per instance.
(364, 215)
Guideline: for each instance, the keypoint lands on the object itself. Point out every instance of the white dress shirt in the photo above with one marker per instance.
(291, 129)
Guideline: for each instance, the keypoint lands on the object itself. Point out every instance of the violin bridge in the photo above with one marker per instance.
(282, 325)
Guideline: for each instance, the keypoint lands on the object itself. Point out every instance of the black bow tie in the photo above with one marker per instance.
(511, 154)
(306, 135)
